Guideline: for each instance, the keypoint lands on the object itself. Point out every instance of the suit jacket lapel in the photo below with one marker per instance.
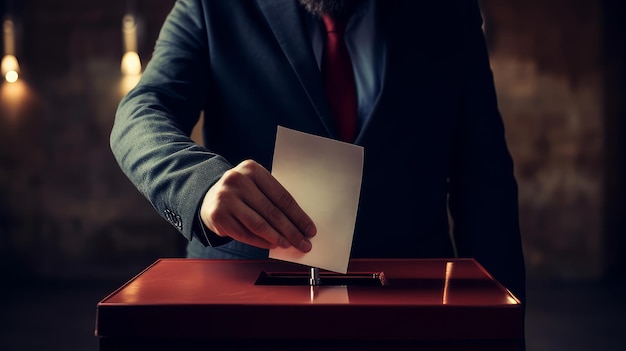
(375, 113)
(401, 33)
(285, 20)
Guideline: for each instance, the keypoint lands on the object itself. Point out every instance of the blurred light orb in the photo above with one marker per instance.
(131, 64)
(10, 68)
(11, 76)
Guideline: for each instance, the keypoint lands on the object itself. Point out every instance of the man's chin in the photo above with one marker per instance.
(334, 8)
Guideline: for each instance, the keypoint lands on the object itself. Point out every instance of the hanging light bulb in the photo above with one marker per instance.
(9, 67)
(131, 63)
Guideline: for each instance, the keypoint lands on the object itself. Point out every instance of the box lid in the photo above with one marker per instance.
(425, 299)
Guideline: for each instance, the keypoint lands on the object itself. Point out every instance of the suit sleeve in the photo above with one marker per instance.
(483, 189)
(150, 138)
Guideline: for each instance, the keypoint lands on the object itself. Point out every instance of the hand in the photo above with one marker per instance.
(251, 206)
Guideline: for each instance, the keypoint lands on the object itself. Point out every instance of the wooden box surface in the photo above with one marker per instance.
(425, 300)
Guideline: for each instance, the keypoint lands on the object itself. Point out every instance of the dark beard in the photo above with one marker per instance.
(334, 8)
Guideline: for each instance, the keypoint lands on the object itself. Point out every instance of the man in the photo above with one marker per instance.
(426, 115)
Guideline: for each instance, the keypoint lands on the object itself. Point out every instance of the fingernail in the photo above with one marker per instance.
(282, 242)
(310, 231)
(305, 246)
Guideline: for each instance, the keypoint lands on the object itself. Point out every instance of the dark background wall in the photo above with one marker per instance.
(67, 211)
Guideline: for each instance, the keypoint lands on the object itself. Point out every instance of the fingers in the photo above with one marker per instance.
(249, 205)
(282, 212)
(287, 210)
(271, 218)
(218, 217)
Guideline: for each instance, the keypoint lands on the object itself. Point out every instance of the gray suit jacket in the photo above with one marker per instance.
(434, 141)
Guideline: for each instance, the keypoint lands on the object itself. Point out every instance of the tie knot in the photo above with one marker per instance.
(334, 24)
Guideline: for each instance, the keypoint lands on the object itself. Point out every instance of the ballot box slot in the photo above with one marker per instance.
(326, 279)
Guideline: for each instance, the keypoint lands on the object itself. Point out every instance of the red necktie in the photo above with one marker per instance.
(339, 78)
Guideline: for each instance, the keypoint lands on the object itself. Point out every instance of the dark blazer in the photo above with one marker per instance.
(434, 138)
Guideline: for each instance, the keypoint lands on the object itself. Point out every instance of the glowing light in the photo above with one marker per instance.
(15, 99)
(131, 64)
(11, 76)
(446, 284)
(128, 82)
(511, 299)
(10, 68)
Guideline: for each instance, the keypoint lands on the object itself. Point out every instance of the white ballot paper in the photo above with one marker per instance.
(324, 177)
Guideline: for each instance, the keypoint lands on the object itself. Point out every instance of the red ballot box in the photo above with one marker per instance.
(382, 304)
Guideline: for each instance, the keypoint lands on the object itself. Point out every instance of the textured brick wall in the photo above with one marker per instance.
(67, 210)
(547, 63)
